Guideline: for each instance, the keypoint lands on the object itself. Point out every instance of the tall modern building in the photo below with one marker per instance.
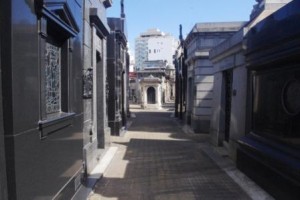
(154, 52)
(154, 45)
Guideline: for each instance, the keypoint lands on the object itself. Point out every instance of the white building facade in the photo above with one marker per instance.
(154, 45)
(162, 48)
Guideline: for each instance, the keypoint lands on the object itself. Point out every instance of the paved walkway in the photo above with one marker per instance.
(157, 161)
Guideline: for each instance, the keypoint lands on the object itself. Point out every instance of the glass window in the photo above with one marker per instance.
(276, 104)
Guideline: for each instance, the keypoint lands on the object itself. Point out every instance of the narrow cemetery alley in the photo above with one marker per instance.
(156, 159)
(149, 100)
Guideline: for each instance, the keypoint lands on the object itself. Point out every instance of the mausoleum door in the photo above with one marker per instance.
(150, 95)
(228, 95)
(190, 100)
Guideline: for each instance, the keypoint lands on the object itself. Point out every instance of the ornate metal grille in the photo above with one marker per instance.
(52, 78)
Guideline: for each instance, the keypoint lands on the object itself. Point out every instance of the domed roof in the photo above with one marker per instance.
(170, 67)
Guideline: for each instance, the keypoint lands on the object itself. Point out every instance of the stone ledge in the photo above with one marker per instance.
(86, 189)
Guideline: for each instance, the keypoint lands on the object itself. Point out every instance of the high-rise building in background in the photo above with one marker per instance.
(154, 45)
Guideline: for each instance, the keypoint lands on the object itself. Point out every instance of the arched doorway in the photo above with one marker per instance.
(151, 95)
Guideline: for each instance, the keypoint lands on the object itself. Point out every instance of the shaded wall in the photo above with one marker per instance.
(43, 151)
(3, 178)
(117, 75)
(114, 81)
(199, 42)
(230, 93)
(269, 153)
(96, 134)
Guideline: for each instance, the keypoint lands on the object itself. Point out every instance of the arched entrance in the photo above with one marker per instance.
(151, 95)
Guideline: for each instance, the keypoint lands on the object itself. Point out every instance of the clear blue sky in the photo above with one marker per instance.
(166, 15)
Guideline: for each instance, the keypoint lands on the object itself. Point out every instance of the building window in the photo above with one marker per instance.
(277, 117)
(55, 87)
(57, 28)
(52, 78)
(149, 50)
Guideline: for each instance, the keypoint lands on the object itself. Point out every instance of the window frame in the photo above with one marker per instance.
(59, 31)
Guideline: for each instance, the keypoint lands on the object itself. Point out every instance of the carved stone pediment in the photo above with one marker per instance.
(59, 12)
(99, 20)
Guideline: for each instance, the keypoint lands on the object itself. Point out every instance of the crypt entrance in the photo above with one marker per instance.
(151, 92)
(151, 95)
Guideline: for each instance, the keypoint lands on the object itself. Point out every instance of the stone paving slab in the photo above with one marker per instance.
(156, 161)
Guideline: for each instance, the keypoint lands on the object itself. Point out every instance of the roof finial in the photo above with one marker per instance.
(122, 9)
(180, 33)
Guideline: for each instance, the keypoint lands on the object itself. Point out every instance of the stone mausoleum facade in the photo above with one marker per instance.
(41, 65)
(269, 151)
(254, 111)
(53, 97)
(118, 70)
(254, 100)
(199, 73)
(156, 84)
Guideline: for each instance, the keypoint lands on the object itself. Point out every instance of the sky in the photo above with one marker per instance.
(167, 15)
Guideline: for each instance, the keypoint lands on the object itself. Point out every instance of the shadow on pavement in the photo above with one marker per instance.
(157, 160)
(166, 169)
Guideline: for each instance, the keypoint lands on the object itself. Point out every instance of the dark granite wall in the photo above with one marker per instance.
(116, 74)
(3, 179)
(272, 143)
(43, 155)
(96, 133)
